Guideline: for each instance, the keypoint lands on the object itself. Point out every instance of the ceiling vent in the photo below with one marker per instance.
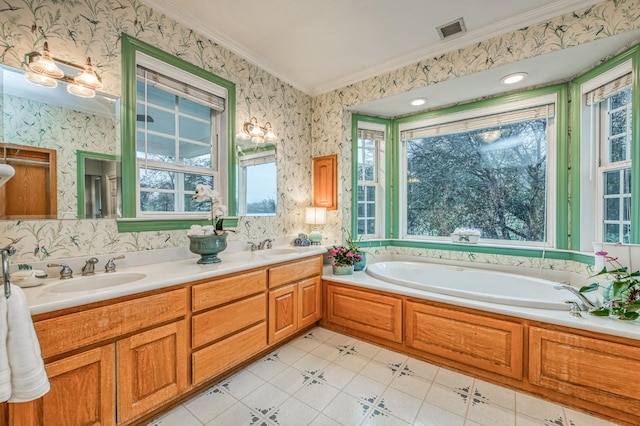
(452, 28)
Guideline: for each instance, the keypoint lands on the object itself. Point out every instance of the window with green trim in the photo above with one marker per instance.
(484, 167)
(370, 179)
(178, 139)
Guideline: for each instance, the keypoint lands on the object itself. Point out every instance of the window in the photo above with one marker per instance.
(177, 139)
(606, 157)
(483, 167)
(370, 147)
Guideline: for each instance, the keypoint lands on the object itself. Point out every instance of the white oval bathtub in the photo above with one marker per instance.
(476, 284)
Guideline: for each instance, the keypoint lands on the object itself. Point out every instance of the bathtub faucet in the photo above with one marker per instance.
(587, 304)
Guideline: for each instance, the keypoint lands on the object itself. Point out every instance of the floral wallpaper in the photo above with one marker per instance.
(306, 127)
(75, 29)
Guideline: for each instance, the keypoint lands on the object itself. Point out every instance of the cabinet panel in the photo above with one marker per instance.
(283, 312)
(586, 368)
(294, 271)
(225, 290)
(325, 182)
(488, 343)
(371, 313)
(213, 360)
(152, 369)
(82, 393)
(309, 301)
(72, 331)
(220, 322)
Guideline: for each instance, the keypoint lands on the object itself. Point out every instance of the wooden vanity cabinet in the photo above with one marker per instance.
(295, 297)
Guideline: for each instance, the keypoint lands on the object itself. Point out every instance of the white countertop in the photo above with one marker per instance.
(45, 298)
(606, 325)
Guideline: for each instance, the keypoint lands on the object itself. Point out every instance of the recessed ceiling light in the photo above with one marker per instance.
(418, 101)
(516, 77)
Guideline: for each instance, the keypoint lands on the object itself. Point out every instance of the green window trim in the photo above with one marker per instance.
(130, 46)
(632, 54)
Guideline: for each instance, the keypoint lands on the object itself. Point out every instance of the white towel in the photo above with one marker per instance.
(28, 377)
(5, 371)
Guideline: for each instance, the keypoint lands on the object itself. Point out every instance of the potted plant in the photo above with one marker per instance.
(343, 259)
(621, 295)
(208, 240)
(354, 245)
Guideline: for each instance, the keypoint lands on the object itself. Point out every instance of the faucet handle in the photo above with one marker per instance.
(269, 245)
(89, 266)
(253, 247)
(65, 272)
(111, 265)
(575, 308)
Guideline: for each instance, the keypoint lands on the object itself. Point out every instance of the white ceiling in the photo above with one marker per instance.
(319, 46)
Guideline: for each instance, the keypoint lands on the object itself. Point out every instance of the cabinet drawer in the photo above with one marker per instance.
(371, 313)
(213, 325)
(215, 359)
(225, 290)
(590, 369)
(294, 271)
(488, 343)
(73, 331)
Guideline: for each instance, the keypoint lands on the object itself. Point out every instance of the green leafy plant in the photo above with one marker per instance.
(621, 294)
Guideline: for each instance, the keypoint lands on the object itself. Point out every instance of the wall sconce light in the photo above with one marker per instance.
(44, 70)
(315, 216)
(258, 134)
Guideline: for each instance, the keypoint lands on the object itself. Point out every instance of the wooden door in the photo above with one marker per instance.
(325, 182)
(152, 369)
(309, 301)
(82, 393)
(283, 312)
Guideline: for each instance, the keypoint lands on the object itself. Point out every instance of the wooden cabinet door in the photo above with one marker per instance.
(590, 369)
(82, 393)
(325, 182)
(492, 344)
(151, 368)
(309, 301)
(283, 312)
(378, 315)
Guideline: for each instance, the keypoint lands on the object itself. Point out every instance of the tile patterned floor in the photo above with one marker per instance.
(325, 378)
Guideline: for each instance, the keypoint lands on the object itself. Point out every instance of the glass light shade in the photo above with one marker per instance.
(243, 135)
(257, 139)
(88, 77)
(81, 91)
(315, 215)
(40, 80)
(256, 131)
(45, 65)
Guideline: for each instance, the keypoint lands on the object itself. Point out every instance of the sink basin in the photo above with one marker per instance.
(276, 252)
(95, 282)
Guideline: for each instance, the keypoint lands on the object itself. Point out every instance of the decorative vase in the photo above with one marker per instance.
(359, 265)
(208, 247)
(342, 269)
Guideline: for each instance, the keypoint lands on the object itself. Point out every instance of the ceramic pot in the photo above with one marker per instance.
(208, 247)
(342, 269)
(359, 266)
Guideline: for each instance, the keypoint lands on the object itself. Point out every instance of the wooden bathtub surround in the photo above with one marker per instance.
(126, 360)
(589, 371)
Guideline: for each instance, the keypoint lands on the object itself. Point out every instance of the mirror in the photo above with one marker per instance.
(256, 176)
(51, 120)
(99, 185)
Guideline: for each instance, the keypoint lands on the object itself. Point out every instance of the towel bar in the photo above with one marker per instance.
(6, 252)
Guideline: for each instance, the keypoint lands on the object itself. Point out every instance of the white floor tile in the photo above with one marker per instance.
(288, 354)
(351, 361)
(238, 415)
(453, 400)
(306, 343)
(430, 415)
(347, 410)
(378, 372)
(310, 362)
(326, 351)
(290, 380)
(494, 394)
(265, 399)
(365, 349)
(399, 404)
(381, 418)
(487, 414)
(365, 389)
(210, 404)
(323, 420)
(267, 368)
(316, 394)
(578, 418)
(385, 356)
(539, 409)
(322, 333)
(179, 416)
(337, 376)
(452, 379)
(293, 413)
(414, 386)
(242, 383)
(420, 368)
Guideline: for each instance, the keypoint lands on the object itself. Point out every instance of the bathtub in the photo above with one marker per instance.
(474, 284)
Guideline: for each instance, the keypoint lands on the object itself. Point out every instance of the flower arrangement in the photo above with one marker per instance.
(204, 193)
(344, 256)
(621, 295)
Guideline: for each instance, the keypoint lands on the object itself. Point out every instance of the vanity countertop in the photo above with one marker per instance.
(184, 269)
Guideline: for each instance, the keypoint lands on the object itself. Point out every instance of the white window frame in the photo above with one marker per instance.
(219, 148)
(550, 202)
(378, 182)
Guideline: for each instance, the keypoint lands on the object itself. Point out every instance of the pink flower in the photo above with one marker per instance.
(349, 254)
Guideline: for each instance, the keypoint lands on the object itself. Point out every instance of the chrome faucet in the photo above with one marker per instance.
(254, 246)
(65, 272)
(111, 265)
(89, 266)
(6, 252)
(587, 304)
(265, 244)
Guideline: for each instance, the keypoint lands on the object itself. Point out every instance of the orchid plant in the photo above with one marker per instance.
(344, 256)
(204, 193)
(622, 294)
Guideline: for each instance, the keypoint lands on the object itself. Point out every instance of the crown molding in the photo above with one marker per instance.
(550, 11)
